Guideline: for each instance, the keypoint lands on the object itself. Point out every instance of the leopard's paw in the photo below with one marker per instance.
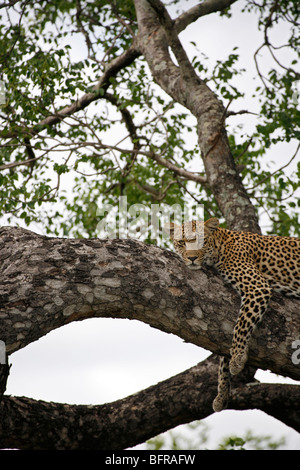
(237, 362)
(220, 402)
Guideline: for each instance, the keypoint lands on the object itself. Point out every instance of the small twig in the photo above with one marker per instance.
(242, 111)
(244, 150)
(276, 171)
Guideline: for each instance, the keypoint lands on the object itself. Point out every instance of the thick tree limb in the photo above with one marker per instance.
(132, 420)
(48, 282)
(116, 425)
(277, 400)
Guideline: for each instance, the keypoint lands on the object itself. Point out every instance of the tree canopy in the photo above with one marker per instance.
(83, 122)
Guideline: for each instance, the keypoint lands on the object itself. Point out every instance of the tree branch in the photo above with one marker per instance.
(103, 83)
(49, 282)
(202, 9)
(132, 420)
(154, 156)
(277, 400)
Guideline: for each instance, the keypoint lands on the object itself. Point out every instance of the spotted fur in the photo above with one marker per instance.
(254, 265)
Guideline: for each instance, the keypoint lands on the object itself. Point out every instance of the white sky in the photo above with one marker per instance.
(101, 360)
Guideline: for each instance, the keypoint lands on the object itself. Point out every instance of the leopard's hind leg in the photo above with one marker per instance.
(221, 400)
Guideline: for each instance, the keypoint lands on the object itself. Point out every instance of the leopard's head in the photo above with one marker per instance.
(192, 240)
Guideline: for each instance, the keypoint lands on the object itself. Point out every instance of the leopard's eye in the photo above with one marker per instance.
(180, 244)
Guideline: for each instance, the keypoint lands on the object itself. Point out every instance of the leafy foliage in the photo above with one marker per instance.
(195, 436)
(57, 175)
(251, 442)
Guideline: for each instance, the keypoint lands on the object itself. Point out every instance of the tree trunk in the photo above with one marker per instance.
(156, 32)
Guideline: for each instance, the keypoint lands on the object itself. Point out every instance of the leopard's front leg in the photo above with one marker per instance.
(255, 301)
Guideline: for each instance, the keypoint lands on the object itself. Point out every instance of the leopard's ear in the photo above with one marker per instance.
(212, 224)
(172, 230)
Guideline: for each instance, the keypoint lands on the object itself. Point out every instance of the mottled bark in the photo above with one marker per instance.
(127, 422)
(116, 425)
(48, 282)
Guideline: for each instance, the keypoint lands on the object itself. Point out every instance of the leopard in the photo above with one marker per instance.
(255, 265)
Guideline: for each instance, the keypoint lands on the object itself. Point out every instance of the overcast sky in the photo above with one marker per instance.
(101, 360)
